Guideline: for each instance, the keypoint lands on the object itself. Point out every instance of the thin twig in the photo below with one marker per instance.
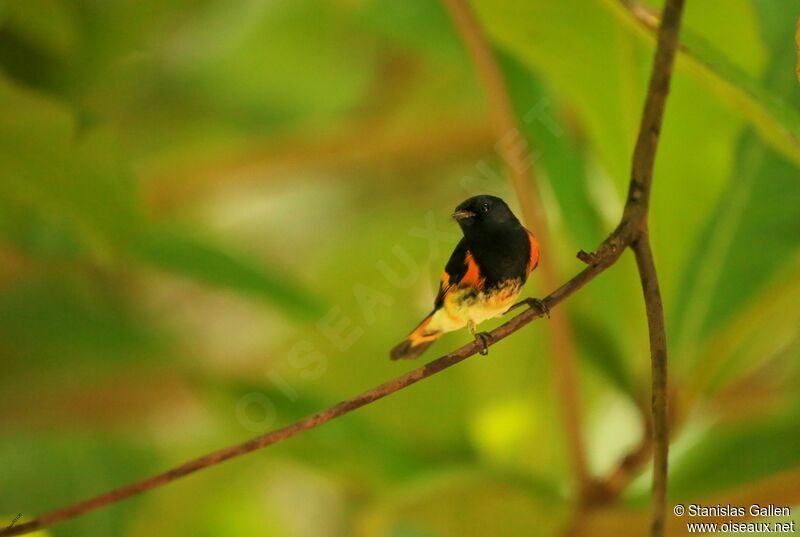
(516, 156)
(632, 230)
(314, 420)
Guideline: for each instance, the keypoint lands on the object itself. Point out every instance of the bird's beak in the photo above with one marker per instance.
(462, 214)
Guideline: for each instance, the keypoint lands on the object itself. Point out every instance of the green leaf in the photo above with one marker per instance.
(600, 75)
(190, 256)
(731, 455)
(48, 23)
(459, 501)
(69, 322)
(602, 352)
(554, 151)
(758, 339)
(747, 241)
(751, 236)
(308, 61)
(96, 464)
(79, 197)
(38, 41)
(75, 183)
(776, 122)
(420, 25)
(406, 530)
(576, 67)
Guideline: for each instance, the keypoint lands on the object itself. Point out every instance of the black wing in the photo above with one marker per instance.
(460, 270)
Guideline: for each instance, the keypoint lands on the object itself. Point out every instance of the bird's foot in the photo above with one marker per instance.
(485, 338)
(533, 303)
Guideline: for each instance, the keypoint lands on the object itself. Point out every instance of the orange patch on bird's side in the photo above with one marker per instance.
(473, 276)
(534, 260)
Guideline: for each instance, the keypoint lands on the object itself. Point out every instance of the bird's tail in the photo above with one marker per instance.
(416, 343)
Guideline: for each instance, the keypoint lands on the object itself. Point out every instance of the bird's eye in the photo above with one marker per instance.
(485, 207)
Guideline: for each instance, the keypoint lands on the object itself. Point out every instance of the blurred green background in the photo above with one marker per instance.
(217, 217)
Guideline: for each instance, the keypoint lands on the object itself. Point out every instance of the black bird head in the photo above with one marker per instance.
(484, 214)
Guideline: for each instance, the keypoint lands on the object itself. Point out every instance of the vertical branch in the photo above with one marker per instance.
(658, 367)
(632, 231)
(517, 160)
(644, 154)
(636, 215)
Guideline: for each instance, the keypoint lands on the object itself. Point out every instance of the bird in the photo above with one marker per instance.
(482, 279)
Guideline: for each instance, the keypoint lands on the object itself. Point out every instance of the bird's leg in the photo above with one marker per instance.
(484, 337)
(532, 303)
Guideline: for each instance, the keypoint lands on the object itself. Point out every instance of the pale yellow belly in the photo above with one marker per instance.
(464, 305)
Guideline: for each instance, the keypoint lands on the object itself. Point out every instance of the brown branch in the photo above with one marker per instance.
(314, 420)
(632, 231)
(516, 157)
(637, 208)
(658, 365)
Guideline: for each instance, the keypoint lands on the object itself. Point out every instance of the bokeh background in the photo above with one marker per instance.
(217, 216)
